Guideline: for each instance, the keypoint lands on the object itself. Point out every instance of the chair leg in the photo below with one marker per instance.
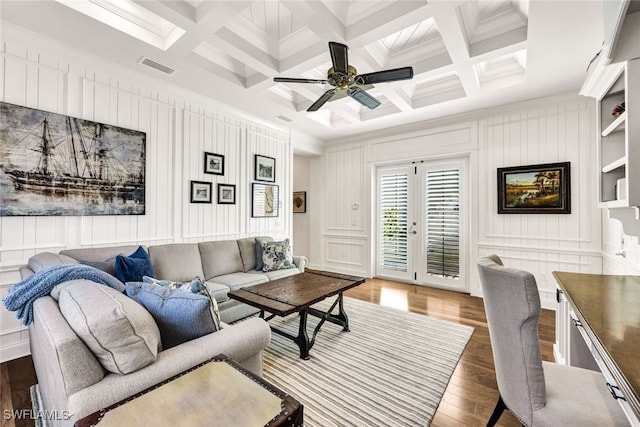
(497, 412)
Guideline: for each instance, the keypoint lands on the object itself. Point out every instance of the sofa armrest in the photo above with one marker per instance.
(243, 342)
(300, 262)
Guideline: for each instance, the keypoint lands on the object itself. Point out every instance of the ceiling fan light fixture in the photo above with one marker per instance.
(345, 79)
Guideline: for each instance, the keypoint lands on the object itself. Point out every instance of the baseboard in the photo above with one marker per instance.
(14, 351)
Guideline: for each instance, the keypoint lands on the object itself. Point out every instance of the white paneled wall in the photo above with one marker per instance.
(180, 127)
(549, 130)
(542, 243)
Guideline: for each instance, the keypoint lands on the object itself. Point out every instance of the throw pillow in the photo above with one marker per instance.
(196, 286)
(181, 316)
(277, 255)
(120, 332)
(259, 242)
(133, 267)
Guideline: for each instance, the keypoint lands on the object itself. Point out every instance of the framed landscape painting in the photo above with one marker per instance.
(535, 189)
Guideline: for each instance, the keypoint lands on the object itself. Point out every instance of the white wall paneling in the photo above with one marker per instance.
(546, 130)
(180, 126)
(556, 132)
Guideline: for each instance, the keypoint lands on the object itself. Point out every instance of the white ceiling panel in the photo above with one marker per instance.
(465, 54)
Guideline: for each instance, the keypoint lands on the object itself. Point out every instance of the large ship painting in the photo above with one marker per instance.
(51, 164)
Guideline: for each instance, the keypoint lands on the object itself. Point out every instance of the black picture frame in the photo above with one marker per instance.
(299, 202)
(535, 189)
(200, 192)
(226, 194)
(264, 200)
(264, 168)
(213, 163)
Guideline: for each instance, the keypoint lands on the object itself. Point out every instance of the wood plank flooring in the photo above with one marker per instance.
(468, 400)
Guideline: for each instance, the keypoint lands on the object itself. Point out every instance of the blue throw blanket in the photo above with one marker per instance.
(23, 294)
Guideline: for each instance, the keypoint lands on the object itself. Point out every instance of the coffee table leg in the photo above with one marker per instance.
(303, 338)
(342, 315)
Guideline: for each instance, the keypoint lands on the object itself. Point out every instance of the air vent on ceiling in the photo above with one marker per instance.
(156, 66)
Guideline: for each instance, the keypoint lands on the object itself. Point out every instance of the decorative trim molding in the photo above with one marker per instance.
(579, 252)
(551, 239)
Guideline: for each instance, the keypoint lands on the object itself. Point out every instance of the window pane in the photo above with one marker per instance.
(393, 220)
(442, 221)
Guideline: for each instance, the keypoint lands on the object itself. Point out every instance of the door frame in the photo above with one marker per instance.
(413, 276)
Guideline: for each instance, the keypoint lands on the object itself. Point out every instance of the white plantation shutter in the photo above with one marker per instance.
(393, 221)
(442, 223)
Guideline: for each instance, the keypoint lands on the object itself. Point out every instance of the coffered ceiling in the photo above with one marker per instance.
(466, 55)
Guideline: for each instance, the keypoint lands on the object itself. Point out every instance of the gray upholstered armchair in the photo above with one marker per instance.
(538, 393)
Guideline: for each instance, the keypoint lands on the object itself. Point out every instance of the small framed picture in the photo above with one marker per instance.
(299, 201)
(226, 194)
(265, 168)
(200, 192)
(213, 163)
(264, 200)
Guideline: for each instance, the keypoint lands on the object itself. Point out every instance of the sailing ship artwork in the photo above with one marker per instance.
(52, 164)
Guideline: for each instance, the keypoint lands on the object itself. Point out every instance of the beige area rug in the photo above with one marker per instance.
(391, 369)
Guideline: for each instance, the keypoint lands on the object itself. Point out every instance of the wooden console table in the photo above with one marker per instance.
(607, 313)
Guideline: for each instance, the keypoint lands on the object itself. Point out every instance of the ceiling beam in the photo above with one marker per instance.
(210, 17)
(319, 19)
(450, 27)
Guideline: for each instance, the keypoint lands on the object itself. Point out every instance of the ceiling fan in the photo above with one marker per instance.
(346, 80)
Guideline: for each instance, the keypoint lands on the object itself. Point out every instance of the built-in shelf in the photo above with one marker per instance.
(618, 125)
(618, 163)
(613, 79)
(614, 204)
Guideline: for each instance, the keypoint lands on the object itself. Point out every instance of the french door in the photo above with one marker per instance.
(421, 223)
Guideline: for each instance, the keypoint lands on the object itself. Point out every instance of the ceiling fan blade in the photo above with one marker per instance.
(291, 80)
(322, 100)
(339, 57)
(404, 73)
(363, 97)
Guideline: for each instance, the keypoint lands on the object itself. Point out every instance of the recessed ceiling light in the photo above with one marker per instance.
(130, 18)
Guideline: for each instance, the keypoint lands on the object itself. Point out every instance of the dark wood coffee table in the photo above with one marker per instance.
(282, 297)
(218, 392)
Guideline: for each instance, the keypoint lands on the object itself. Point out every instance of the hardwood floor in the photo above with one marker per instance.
(472, 391)
(468, 400)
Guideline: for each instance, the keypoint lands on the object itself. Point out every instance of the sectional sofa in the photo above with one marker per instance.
(72, 379)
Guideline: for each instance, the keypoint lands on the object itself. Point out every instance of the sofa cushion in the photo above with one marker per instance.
(99, 254)
(181, 316)
(248, 250)
(259, 242)
(218, 291)
(240, 280)
(47, 259)
(108, 266)
(277, 255)
(220, 257)
(179, 262)
(278, 274)
(120, 332)
(133, 267)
